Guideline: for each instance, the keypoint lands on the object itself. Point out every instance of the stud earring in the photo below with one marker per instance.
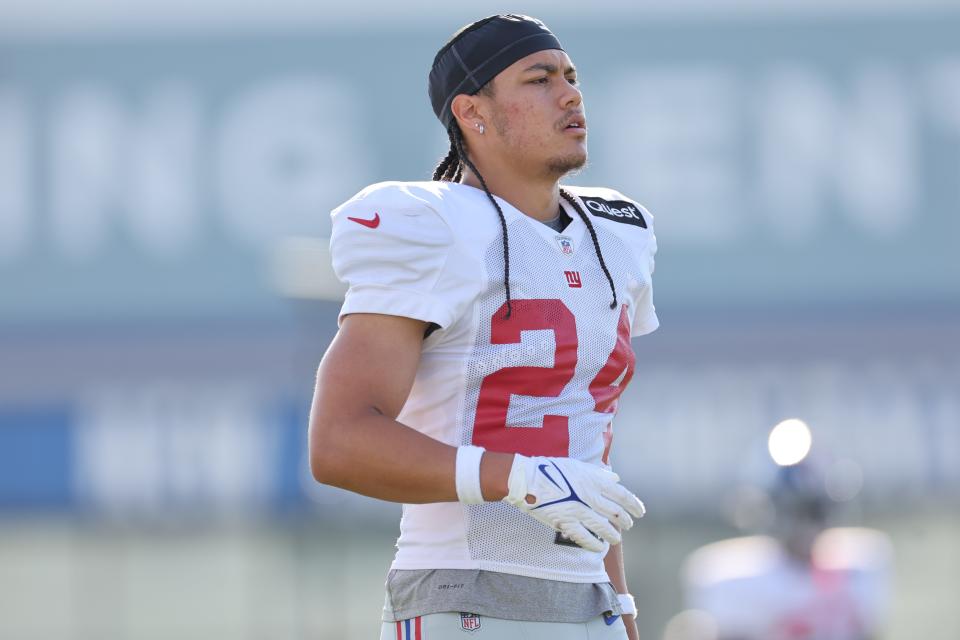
(480, 127)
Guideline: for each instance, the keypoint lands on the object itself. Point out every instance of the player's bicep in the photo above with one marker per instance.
(370, 366)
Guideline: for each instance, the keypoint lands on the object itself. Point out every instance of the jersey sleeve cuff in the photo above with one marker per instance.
(647, 325)
(396, 302)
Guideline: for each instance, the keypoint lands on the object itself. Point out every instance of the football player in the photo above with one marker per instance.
(484, 341)
(805, 580)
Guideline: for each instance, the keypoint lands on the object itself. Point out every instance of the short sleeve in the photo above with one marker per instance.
(645, 318)
(391, 250)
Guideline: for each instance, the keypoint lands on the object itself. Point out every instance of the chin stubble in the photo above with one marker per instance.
(559, 167)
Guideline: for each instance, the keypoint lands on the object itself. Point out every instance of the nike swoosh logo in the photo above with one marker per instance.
(543, 470)
(571, 494)
(372, 223)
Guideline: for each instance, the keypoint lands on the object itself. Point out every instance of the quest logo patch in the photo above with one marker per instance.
(616, 210)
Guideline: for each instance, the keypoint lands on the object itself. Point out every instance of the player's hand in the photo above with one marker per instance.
(580, 500)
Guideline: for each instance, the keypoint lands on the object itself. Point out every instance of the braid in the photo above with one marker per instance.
(441, 171)
(596, 243)
(457, 139)
(450, 166)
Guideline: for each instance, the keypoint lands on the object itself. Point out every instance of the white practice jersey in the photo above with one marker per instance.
(752, 591)
(543, 381)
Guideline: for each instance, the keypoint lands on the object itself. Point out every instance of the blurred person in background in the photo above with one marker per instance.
(804, 579)
(484, 342)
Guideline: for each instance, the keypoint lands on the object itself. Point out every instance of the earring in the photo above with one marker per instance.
(480, 127)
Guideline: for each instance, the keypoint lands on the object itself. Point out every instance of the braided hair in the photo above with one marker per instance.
(450, 169)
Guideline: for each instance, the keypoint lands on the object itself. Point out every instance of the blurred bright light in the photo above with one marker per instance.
(789, 442)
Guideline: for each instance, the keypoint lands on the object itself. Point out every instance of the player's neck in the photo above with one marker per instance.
(538, 199)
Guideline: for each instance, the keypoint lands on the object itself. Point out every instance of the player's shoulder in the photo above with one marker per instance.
(409, 213)
(733, 559)
(397, 195)
(390, 230)
(613, 205)
(853, 549)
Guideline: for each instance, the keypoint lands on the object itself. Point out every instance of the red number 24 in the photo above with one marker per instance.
(490, 428)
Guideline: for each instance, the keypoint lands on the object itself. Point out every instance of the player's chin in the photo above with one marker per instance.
(561, 165)
(576, 146)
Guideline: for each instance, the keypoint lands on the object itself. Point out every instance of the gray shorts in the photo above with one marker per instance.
(465, 626)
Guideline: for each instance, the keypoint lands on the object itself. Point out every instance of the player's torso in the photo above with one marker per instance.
(542, 381)
(545, 379)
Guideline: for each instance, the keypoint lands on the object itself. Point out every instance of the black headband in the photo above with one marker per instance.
(479, 52)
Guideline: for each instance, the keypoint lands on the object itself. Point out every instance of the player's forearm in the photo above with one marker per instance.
(379, 457)
(375, 456)
(613, 563)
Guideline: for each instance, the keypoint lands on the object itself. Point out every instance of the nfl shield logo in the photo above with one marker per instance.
(566, 245)
(469, 621)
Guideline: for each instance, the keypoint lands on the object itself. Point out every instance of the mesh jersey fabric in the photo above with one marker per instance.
(543, 382)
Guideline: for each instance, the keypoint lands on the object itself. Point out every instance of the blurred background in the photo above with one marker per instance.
(166, 175)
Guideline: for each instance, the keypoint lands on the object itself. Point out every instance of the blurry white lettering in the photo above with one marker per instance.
(107, 163)
(86, 169)
(943, 87)
(162, 190)
(813, 145)
(796, 116)
(140, 449)
(718, 152)
(674, 136)
(285, 148)
(877, 176)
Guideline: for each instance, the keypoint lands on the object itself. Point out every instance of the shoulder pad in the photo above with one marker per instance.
(397, 196)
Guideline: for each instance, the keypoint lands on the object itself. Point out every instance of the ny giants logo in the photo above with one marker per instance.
(573, 279)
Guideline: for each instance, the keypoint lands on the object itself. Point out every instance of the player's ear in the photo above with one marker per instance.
(466, 110)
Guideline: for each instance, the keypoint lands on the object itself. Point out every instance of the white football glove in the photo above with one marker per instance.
(574, 498)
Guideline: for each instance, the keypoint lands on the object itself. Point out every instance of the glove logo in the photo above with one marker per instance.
(543, 470)
(571, 495)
